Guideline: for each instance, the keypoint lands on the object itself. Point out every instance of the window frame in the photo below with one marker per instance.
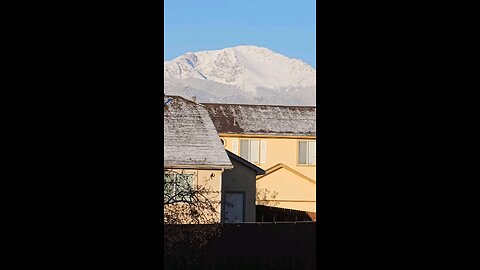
(308, 164)
(176, 185)
(249, 150)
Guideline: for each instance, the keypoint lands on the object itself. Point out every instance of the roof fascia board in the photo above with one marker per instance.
(254, 167)
(266, 136)
(199, 167)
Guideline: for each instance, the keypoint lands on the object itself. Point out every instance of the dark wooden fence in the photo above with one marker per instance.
(276, 214)
(245, 246)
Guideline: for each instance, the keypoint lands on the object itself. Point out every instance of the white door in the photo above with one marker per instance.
(234, 203)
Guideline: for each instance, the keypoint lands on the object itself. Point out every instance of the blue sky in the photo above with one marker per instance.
(286, 27)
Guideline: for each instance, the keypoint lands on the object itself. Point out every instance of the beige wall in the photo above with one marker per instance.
(241, 179)
(283, 150)
(203, 178)
(294, 191)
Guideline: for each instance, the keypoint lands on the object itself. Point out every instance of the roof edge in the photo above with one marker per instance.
(280, 166)
(257, 105)
(267, 135)
(258, 170)
(198, 167)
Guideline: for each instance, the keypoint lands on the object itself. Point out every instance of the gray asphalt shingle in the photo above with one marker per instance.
(263, 119)
(190, 138)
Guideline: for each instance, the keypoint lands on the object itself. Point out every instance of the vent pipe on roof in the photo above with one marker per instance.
(168, 101)
(194, 98)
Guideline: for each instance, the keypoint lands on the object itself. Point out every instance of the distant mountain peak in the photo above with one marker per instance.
(249, 69)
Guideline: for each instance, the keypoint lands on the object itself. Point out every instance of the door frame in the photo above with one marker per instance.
(224, 204)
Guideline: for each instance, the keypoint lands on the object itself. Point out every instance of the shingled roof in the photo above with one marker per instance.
(263, 119)
(190, 139)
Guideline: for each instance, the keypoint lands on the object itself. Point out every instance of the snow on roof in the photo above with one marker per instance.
(190, 138)
(263, 119)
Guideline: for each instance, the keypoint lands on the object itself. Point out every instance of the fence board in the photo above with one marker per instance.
(249, 246)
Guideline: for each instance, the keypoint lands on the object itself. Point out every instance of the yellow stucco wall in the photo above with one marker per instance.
(279, 150)
(291, 188)
(293, 192)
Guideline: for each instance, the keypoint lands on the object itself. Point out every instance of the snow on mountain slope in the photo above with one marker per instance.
(244, 74)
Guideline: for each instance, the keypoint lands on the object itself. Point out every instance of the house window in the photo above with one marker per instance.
(307, 152)
(177, 187)
(250, 150)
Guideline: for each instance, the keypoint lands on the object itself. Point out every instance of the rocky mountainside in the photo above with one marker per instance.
(244, 74)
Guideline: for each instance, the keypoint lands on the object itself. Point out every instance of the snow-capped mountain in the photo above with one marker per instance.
(244, 74)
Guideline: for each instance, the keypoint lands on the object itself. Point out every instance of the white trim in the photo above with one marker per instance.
(235, 146)
(263, 151)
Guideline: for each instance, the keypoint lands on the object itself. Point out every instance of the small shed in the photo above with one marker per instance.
(239, 190)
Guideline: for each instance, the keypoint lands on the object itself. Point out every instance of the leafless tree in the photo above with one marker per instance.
(189, 200)
(191, 215)
(266, 197)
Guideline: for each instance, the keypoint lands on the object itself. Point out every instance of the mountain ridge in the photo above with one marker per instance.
(245, 74)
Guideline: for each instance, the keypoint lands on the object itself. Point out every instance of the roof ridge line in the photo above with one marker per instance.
(279, 166)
